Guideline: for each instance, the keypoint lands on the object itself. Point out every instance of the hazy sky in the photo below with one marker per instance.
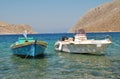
(46, 16)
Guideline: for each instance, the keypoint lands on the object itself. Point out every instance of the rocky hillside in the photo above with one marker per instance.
(6, 28)
(104, 18)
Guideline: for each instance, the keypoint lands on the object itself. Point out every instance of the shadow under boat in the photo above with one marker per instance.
(41, 56)
(95, 59)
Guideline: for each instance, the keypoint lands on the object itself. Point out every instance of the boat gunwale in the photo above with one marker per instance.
(28, 43)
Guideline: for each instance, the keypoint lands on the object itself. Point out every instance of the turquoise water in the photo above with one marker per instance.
(59, 65)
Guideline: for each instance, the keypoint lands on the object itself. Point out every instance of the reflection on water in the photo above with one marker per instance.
(18, 68)
(91, 60)
(79, 66)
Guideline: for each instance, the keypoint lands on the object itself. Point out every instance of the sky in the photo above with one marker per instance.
(46, 16)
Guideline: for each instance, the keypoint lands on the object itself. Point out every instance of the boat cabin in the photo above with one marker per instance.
(22, 40)
(80, 35)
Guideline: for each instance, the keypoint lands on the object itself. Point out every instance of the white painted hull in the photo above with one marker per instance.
(89, 46)
(80, 44)
(81, 48)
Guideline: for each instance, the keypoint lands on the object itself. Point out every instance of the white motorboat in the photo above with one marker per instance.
(80, 44)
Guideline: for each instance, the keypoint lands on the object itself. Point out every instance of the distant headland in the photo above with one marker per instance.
(104, 18)
(6, 28)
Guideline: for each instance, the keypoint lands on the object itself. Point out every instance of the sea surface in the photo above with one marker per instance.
(60, 65)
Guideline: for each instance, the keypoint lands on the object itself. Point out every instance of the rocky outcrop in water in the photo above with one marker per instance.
(104, 18)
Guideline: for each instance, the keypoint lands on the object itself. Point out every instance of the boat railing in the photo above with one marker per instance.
(108, 37)
(100, 37)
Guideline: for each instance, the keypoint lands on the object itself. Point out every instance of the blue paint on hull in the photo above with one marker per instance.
(29, 50)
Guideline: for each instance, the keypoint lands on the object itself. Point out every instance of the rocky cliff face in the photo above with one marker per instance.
(104, 18)
(6, 28)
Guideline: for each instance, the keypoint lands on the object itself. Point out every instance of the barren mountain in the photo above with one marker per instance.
(6, 28)
(104, 18)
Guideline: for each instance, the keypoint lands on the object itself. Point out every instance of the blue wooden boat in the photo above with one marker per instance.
(28, 47)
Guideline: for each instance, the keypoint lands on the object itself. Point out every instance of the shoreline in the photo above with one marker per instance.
(55, 33)
(102, 32)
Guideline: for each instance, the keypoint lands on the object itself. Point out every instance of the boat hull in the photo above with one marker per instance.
(80, 44)
(84, 48)
(29, 49)
(88, 48)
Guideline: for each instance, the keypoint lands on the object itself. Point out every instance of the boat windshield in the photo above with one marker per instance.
(80, 31)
